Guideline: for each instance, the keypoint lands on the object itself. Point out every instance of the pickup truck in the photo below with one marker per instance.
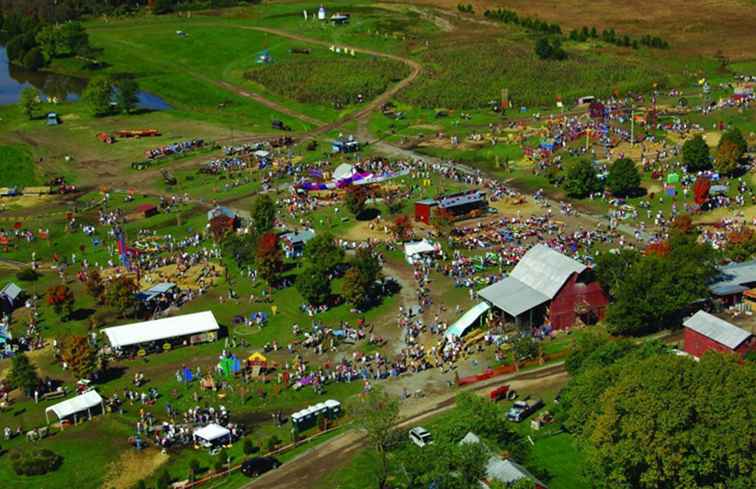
(520, 410)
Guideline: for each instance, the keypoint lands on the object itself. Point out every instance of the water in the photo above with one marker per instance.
(13, 79)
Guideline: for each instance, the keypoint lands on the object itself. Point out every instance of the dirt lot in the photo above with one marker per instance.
(695, 27)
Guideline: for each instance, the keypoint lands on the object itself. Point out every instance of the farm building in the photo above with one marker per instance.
(705, 332)
(505, 471)
(733, 280)
(548, 287)
(10, 298)
(294, 242)
(147, 210)
(457, 205)
(155, 335)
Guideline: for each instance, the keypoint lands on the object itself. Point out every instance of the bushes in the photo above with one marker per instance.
(34, 461)
(328, 81)
(34, 60)
(27, 275)
(550, 49)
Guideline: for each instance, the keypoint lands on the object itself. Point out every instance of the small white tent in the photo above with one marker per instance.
(76, 405)
(212, 434)
(415, 249)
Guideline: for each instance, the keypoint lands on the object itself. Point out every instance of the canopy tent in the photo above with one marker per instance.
(460, 327)
(257, 358)
(75, 405)
(211, 434)
(161, 329)
(417, 248)
(344, 170)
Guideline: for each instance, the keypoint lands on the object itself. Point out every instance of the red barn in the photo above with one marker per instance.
(705, 332)
(457, 205)
(548, 287)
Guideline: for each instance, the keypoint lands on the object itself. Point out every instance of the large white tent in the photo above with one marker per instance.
(211, 433)
(75, 405)
(161, 329)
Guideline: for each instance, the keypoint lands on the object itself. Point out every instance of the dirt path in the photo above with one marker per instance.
(308, 469)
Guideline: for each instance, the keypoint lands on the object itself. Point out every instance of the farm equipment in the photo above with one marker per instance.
(522, 409)
(168, 177)
(138, 133)
(58, 185)
(105, 138)
(282, 141)
(502, 392)
(278, 124)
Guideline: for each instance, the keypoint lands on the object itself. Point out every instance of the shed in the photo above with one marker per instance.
(12, 294)
(76, 405)
(294, 242)
(195, 328)
(706, 332)
(220, 211)
(212, 434)
(548, 283)
(456, 205)
(734, 279)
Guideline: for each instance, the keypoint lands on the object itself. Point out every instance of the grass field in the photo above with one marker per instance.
(17, 167)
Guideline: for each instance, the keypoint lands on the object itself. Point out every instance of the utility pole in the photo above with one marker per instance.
(632, 126)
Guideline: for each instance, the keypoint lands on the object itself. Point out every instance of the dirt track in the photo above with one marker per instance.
(310, 467)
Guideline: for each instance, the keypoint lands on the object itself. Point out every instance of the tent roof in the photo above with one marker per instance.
(75, 404)
(460, 325)
(733, 278)
(11, 291)
(717, 329)
(220, 211)
(513, 296)
(506, 471)
(302, 236)
(545, 270)
(211, 432)
(342, 171)
(160, 329)
(418, 247)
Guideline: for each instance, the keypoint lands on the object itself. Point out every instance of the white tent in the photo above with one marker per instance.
(75, 405)
(459, 328)
(344, 170)
(161, 329)
(416, 248)
(211, 433)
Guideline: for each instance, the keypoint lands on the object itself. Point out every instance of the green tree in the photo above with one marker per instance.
(623, 179)
(127, 90)
(248, 447)
(164, 480)
(696, 154)
(353, 288)
(733, 135)
(481, 416)
(34, 59)
(611, 268)
(376, 414)
(29, 102)
(23, 375)
(263, 214)
(164, 6)
(72, 38)
(314, 284)
(99, 95)
(48, 40)
(581, 180)
(322, 251)
(120, 295)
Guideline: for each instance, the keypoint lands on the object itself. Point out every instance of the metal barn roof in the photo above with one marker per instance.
(513, 296)
(545, 270)
(717, 329)
(161, 329)
(733, 278)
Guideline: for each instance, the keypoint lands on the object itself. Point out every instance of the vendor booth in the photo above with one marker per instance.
(72, 408)
(165, 333)
(416, 250)
(212, 435)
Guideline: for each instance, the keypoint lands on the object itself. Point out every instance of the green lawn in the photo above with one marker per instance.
(16, 167)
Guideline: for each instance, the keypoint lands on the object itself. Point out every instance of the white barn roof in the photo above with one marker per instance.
(545, 270)
(717, 329)
(161, 329)
(76, 404)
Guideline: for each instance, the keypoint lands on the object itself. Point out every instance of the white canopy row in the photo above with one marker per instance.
(161, 329)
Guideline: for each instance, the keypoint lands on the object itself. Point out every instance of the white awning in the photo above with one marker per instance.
(459, 328)
(76, 404)
(416, 248)
(161, 329)
(211, 432)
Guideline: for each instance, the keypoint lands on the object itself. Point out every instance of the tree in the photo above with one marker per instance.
(194, 468)
(29, 102)
(402, 227)
(701, 190)
(377, 413)
(269, 257)
(443, 221)
(314, 284)
(72, 38)
(163, 6)
(728, 157)
(368, 265)
(248, 447)
(322, 251)
(623, 179)
(353, 289)
(242, 247)
(581, 180)
(48, 41)
(80, 356)
(34, 59)
(485, 418)
(95, 286)
(696, 154)
(61, 298)
(546, 49)
(525, 348)
(99, 95)
(23, 375)
(263, 214)
(734, 136)
(611, 268)
(355, 198)
(127, 90)
(120, 295)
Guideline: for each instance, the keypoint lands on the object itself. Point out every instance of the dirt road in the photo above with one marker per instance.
(307, 469)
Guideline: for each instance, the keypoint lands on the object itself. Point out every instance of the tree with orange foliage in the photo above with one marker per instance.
(701, 190)
(683, 223)
(659, 248)
(61, 298)
(79, 355)
(269, 257)
(402, 227)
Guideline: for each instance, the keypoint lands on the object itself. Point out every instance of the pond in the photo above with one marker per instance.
(13, 79)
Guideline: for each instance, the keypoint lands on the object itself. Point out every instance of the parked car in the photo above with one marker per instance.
(420, 436)
(520, 410)
(259, 465)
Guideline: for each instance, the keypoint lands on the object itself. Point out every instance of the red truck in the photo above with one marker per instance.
(502, 392)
